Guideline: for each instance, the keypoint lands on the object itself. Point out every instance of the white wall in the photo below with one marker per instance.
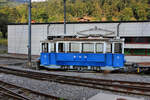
(137, 58)
(72, 29)
(136, 46)
(18, 38)
(126, 29)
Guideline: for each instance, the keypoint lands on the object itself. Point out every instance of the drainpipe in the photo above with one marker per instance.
(64, 17)
(118, 32)
(48, 29)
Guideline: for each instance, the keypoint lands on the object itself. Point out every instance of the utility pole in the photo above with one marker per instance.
(29, 33)
(64, 17)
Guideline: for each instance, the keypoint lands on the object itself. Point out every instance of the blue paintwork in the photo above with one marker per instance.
(82, 59)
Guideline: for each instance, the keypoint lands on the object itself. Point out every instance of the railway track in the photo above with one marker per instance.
(12, 57)
(22, 93)
(127, 87)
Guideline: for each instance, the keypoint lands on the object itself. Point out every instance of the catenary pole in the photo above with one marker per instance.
(64, 17)
(29, 32)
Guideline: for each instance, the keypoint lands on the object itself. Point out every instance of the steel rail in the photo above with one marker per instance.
(107, 89)
(13, 94)
(137, 88)
(3, 83)
(10, 57)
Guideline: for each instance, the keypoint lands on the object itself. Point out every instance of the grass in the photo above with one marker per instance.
(3, 42)
(3, 51)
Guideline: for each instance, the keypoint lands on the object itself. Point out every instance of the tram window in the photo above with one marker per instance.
(88, 47)
(118, 48)
(60, 47)
(108, 48)
(45, 47)
(99, 48)
(63, 47)
(74, 47)
(53, 47)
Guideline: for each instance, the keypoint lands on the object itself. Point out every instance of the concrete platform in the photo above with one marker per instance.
(102, 96)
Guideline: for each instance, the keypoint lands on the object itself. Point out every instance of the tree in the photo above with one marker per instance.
(3, 24)
(52, 10)
(126, 14)
(140, 12)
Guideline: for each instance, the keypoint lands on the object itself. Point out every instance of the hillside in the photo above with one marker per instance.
(80, 10)
(20, 1)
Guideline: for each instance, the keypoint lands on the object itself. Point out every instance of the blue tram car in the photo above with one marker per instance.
(83, 53)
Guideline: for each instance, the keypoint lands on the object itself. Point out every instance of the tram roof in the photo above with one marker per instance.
(85, 39)
(82, 39)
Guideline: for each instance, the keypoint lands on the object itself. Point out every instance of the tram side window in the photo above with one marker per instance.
(60, 47)
(88, 48)
(63, 47)
(53, 47)
(109, 48)
(118, 48)
(45, 47)
(74, 47)
(99, 48)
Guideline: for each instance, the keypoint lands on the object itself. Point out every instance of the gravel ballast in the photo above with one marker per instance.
(60, 90)
(52, 88)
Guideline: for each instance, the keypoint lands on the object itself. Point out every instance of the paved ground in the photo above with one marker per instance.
(102, 96)
(2, 47)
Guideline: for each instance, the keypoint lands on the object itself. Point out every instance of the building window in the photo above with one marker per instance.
(148, 52)
(137, 52)
(137, 40)
(127, 52)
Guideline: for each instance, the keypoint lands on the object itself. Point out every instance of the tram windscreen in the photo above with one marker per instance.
(45, 47)
(118, 48)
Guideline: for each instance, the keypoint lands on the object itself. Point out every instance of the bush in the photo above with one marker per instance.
(1, 34)
(3, 41)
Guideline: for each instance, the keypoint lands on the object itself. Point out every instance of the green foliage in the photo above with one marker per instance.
(3, 24)
(3, 42)
(126, 14)
(1, 34)
(52, 10)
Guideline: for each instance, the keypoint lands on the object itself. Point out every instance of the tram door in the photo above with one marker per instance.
(118, 48)
(118, 56)
(44, 55)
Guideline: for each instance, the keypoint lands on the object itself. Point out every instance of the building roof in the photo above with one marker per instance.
(81, 22)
